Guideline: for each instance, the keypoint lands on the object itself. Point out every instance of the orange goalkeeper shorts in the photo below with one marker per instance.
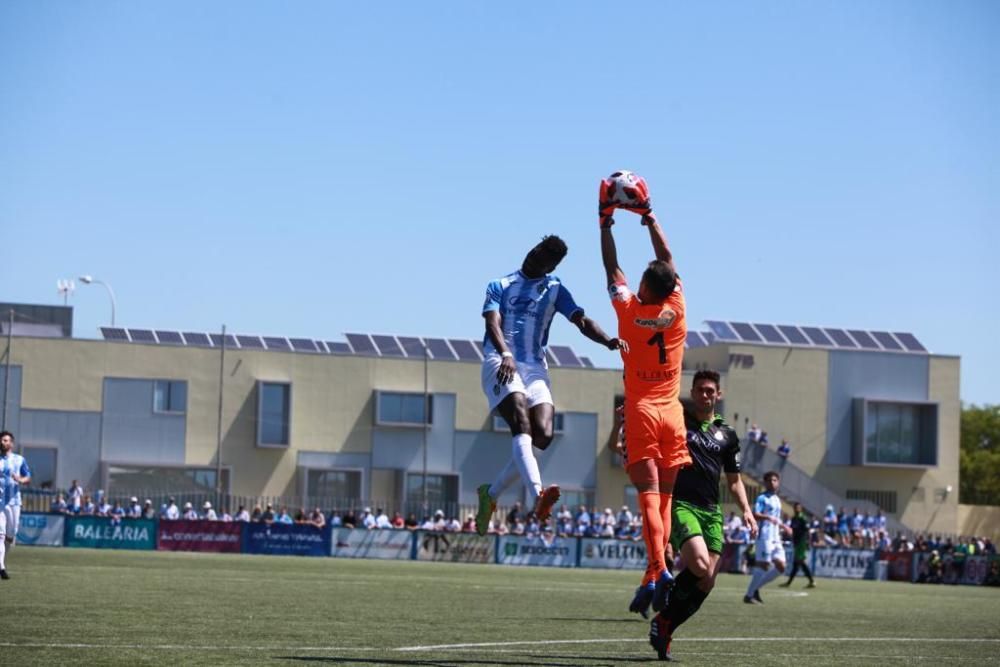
(656, 431)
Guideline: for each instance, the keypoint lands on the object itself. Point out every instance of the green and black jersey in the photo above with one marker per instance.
(714, 447)
(800, 529)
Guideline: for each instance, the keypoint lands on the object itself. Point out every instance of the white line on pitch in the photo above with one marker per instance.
(545, 642)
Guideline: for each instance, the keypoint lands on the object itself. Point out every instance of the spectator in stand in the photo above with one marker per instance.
(753, 435)
(453, 525)
(989, 548)
(283, 516)
(830, 521)
(514, 515)
(427, 523)
(609, 528)
(857, 528)
(881, 523)
(242, 515)
(470, 524)
(564, 514)
(336, 521)
(398, 522)
(500, 528)
(268, 515)
(226, 516)
(382, 520)
(609, 518)
(58, 505)
(882, 542)
(75, 497)
(439, 521)
(134, 508)
(532, 528)
(368, 519)
(317, 518)
(732, 523)
(171, 512)
(349, 519)
(623, 530)
(208, 513)
(581, 529)
(88, 508)
(624, 516)
(301, 518)
(103, 508)
(148, 511)
(566, 527)
(784, 450)
(117, 511)
(411, 522)
(189, 512)
(583, 516)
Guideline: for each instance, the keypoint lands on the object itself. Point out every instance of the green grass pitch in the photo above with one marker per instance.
(79, 606)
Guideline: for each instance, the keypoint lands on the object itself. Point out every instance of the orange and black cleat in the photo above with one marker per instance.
(546, 501)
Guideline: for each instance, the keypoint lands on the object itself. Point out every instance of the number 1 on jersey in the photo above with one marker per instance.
(657, 340)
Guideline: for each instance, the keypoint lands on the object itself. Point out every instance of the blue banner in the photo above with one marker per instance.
(281, 539)
(45, 530)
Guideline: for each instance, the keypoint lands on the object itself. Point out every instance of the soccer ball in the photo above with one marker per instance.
(626, 189)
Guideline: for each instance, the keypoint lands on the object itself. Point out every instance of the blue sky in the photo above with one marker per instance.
(312, 168)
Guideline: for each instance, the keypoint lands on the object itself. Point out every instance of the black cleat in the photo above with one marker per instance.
(659, 637)
(756, 596)
(662, 592)
(749, 600)
(4, 575)
(643, 598)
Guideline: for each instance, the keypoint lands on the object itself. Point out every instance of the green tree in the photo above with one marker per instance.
(979, 464)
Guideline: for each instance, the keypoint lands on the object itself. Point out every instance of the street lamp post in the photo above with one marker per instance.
(86, 280)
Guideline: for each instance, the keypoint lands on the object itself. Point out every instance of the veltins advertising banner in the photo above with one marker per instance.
(456, 547)
(216, 536)
(843, 563)
(612, 554)
(551, 552)
(99, 532)
(356, 543)
(41, 530)
(282, 539)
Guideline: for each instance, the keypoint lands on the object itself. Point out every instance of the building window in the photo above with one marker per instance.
(884, 499)
(170, 396)
(42, 461)
(442, 493)
(274, 413)
(148, 481)
(900, 433)
(335, 487)
(393, 408)
(558, 424)
(573, 498)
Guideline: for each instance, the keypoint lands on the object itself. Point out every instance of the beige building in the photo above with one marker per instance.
(871, 419)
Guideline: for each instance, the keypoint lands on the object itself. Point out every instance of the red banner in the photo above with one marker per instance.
(182, 535)
(900, 566)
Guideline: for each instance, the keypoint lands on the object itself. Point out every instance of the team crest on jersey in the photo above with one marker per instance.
(666, 318)
(619, 292)
(718, 436)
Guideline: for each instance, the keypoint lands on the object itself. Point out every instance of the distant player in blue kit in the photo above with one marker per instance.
(519, 309)
(769, 549)
(13, 472)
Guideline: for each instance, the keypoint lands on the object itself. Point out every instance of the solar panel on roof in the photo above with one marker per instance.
(412, 346)
(479, 346)
(793, 334)
(141, 335)
(910, 342)
(864, 339)
(388, 346)
(551, 357)
(338, 348)
(320, 346)
(840, 338)
(722, 330)
(303, 344)
(361, 343)
(217, 340)
(276, 343)
(746, 332)
(169, 337)
(250, 342)
(586, 362)
(565, 355)
(439, 349)
(816, 335)
(197, 339)
(694, 339)
(770, 333)
(465, 349)
(886, 340)
(114, 333)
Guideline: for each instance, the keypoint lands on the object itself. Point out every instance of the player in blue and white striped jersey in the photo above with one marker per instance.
(13, 472)
(769, 549)
(519, 310)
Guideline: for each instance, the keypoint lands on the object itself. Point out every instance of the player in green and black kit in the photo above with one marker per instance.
(697, 519)
(800, 538)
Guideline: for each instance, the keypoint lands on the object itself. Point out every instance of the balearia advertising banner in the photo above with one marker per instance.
(183, 535)
(356, 543)
(844, 563)
(612, 554)
(41, 530)
(456, 547)
(99, 532)
(282, 539)
(538, 550)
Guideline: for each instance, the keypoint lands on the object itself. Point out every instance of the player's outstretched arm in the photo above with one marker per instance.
(609, 255)
(740, 493)
(594, 332)
(659, 240)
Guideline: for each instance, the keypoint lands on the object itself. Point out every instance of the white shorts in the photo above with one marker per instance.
(767, 551)
(531, 379)
(10, 519)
